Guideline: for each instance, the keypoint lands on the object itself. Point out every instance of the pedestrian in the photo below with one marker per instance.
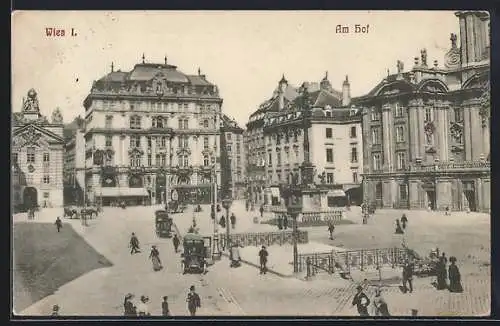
(176, 242)
(165, 311)
(247, 205)
(404, 221)
(408, 276)
(441, 272)
(280, 222)
(193, 300)
(55, 311)
(222, 222)
(399, 230)
(128, 307)
(331, 228)
(447, 211)
(454, 276)
(361, 301)
(261, 209)
(285, 222)
(233, 220)
(263, 254)
(142, 307)
(134, 244)
(379, 304)
(58, 224)
(155, 258)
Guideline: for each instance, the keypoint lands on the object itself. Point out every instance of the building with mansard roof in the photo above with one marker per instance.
(333, 126)
(151, 134)
(37, 156)
(426, 131)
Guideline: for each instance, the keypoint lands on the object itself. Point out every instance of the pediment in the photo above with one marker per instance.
(32, 135)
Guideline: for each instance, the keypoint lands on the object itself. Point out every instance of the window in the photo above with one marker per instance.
(329, 177)
(229, 148)
(400, 136)
(158, 158)
(428, 114)
(205, 123)
(270, 159)
(355, 177)
(376, 162)
(108, 160)
(353, 132)
(135, 161)
(109, 140)
(328, 114)
(329, 155)
(108, 122)
(163, 142)
(185, 105)
(135, 141)
(401, 163)
(150, 142)
(295, 137)
(278, 158)
(14, 157)
(163, 158)
(46, 157)
(399, 110)
(158, 122)
(375, 136)
(403, 192)
(46, 179)
(206, 160)
(150, 160)
(228, 136)
(458, 115)
(354, 155)
(135, 122)
(183, 161)
(30, 155)
(205, 142)
(375, 114)
(46, 195)
(183, 141)
(186, 124)
(328, 132)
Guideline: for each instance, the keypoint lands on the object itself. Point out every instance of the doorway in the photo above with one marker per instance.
(30, 197)
(431, 199)
(470, 195)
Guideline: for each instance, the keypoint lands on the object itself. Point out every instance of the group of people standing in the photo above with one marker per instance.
(141, 309)
(232, 219)
(401, 224)
(362, 302)
(454, 276)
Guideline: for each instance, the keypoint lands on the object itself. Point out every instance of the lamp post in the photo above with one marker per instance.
(226, 203)
(293, 201)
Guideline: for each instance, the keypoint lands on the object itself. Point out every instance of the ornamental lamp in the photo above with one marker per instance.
(226, 203)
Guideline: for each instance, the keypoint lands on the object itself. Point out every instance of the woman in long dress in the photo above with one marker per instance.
(454, 276)
(155, 259)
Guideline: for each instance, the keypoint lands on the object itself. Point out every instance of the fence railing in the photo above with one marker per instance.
(333, 215)
(265, 238)
(354, 259)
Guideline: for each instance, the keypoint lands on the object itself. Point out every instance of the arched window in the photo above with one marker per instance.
(159, 122)
(205, 123)
(206, 160)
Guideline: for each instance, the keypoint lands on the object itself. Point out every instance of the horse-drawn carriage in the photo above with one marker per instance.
(424, 266)
(163, 224)
(196, 252)
(176, 207)
(87, 212)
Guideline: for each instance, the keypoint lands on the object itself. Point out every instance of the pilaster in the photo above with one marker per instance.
(420, 130)
(467, 133)
(413, 190)
(443, 194)
(387, 140)
(471, 53)
(463, 38)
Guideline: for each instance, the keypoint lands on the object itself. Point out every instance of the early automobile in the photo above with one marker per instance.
(163, 224)
(196, 252)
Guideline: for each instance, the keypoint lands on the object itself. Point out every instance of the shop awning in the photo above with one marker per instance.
(123, 192)
(275, 192)
(336, 193)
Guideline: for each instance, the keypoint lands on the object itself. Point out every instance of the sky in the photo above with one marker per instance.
(244, 53)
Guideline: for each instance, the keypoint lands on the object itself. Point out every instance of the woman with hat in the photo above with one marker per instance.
(380, 304)
(128, 306)
(454, 276)
(361, 301)
(142, 307)
(155, 258)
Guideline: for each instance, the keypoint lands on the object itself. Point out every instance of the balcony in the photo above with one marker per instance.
(451, 166)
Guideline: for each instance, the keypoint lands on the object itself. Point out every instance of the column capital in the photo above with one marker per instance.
(386, 107)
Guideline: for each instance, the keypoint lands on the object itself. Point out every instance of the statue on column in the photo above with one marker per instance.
(423, 57)
(31, 103)
(57, 117)
(400, 66)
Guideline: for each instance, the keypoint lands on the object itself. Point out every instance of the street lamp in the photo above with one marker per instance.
(226, 203)
(292, 195)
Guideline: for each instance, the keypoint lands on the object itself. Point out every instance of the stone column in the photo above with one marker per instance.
(413, 131)
(476, 142)
(443, 127)
(485, 134)
(420, 130)
(463, 37)
(486, 185)
(471, 52)
(478, 38)
(467, 133)
(386, 138)
(366, 139)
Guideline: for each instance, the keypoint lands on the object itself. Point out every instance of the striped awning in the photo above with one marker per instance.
(123, 192)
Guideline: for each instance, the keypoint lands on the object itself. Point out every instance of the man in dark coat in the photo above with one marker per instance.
(165, 311)
(176, 242)
(233, 220)
(58, 224)
(361, 302)
(454, 276)
(331, 228)
(261, 211)
(408, 276)
(404, 221)
(280, 222)
(193, 300)
(285, 222)
(134, 244)
(222, 221)
(441, 272)
(263, 259)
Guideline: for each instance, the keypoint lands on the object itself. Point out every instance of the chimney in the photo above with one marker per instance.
(346, 92)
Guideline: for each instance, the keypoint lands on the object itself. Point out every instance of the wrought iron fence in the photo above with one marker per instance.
(265, 238)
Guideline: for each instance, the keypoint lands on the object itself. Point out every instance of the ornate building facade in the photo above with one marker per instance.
(235, 163)
(74, 163)
(426, 132)
(333, 126)
(37, 156)
(150, 131)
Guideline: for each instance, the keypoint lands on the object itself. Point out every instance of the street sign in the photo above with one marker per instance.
(174, 195)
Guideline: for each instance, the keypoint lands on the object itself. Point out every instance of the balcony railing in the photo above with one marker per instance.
(445, 166)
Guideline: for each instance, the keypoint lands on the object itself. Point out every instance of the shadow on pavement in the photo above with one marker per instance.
(44, 260)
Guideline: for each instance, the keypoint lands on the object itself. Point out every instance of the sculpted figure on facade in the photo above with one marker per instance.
(400, 66)
(423, 57)
(57, 117)
(30, 104)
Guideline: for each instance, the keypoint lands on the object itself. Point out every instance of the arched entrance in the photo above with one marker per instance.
(30, 197)
(355, 196)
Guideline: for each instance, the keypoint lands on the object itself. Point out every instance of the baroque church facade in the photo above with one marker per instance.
(37, 156)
